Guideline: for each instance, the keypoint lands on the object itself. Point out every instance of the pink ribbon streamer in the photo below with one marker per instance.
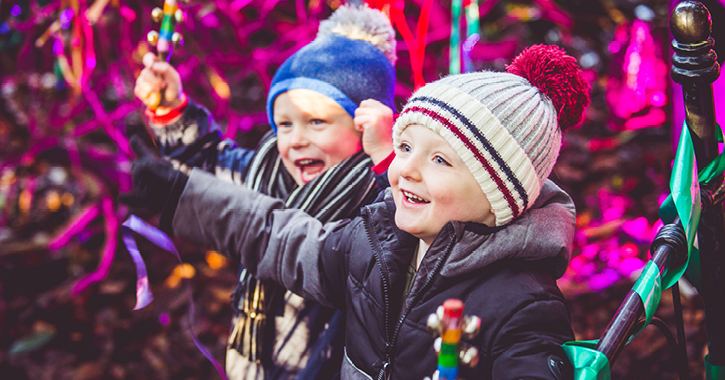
(74, 227)
(109, 250)
(143, 293)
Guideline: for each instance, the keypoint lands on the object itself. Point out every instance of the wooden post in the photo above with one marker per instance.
(695, 67)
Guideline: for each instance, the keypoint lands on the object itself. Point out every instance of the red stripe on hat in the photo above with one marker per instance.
(467, 142)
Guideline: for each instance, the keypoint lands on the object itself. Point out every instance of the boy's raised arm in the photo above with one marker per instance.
(283, 245)
(185, 131)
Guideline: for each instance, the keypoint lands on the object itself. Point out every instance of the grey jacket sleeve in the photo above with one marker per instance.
(286, 246)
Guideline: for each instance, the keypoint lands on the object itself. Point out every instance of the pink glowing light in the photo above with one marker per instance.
(637, 95)
(615, 47)
(58, 47)
(127, 13)
(629, 266)
(658, 99)
(164, 319)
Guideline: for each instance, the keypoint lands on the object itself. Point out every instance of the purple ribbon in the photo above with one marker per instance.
(143, 293)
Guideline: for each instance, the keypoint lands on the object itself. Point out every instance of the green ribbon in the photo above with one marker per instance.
(472, 18)
(685, 195)
(588, 363)
(649, 289)
(455, 49)
(472, 34)
(685, 202)
(472, 27)
(713, 372)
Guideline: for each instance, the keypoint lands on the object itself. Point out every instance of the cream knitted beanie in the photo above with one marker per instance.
(506, 127)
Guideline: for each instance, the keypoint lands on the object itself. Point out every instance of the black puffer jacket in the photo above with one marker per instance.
(505, 276)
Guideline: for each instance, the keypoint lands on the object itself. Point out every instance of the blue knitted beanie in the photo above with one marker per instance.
(350, 60)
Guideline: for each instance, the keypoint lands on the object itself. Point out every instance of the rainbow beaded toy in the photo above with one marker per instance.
(449, 323)
(166, 37)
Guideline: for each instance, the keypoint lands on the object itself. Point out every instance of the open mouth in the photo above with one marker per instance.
(309, 168)
(412, 198)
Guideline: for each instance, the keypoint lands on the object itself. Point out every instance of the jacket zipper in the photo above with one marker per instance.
(416, 298)
(386, 371)
(386, 295)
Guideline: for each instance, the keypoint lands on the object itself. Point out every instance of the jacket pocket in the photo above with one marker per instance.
(350, 371)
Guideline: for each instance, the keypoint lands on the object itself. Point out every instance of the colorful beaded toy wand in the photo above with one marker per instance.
(450, 325)
(166, 37)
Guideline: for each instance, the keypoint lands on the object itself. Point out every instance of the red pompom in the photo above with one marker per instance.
(558, 76)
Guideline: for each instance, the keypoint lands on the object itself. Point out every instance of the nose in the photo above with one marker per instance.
(298, 137)
(410, 168)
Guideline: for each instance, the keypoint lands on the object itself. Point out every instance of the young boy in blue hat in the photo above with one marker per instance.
(326, 102)
(470, 215)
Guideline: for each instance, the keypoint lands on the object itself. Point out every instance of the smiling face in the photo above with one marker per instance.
(432, 186)
(313, 133)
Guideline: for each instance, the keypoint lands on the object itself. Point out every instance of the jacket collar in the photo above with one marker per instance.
(543, 233)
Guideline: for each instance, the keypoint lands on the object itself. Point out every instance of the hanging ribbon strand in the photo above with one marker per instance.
(143, 293)
(416, 44)
(472, 35)
(471, 11)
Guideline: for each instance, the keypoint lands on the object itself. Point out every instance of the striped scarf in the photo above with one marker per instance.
(338, 193)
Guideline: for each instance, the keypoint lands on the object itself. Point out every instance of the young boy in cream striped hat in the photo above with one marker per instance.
(505, 127)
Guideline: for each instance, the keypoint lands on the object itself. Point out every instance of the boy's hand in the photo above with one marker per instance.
(153, 180)
(375, 121)
(158, 78)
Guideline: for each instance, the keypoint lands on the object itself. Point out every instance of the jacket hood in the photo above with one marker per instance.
(544, 234)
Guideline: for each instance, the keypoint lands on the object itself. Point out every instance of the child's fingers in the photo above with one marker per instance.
(371, 103)
(161, 68)
(376, 110)
(143, 86)
(359, 126)
(370, 113)
(169, 77)
(143, 89)
(362, 111)
(149, 59)
(362, 121)
(149, 76)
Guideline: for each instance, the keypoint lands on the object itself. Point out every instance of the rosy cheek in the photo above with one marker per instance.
(283, 149)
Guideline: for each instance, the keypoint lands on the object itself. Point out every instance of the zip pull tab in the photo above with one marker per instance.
(387, 370)
(384, 374)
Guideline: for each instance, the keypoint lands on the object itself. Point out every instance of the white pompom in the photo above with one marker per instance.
(362, 23)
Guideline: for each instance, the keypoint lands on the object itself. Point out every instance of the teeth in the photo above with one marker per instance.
(305, 162)
(413, 198)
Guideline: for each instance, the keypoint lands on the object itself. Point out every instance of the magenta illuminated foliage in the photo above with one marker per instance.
(67, 72)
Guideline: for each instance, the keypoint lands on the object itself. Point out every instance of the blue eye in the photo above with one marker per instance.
(440, 160)
(317, 121)
(405, 148)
